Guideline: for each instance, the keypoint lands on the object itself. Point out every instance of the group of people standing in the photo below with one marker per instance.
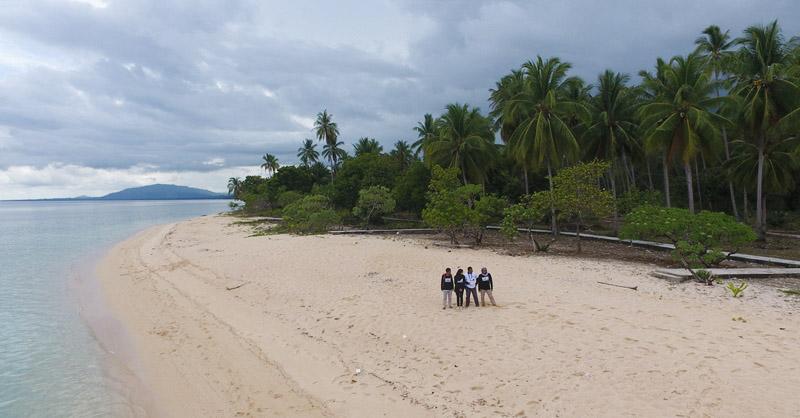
(468, 283)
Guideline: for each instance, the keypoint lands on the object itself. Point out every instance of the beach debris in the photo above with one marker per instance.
(358, 371)
(236, 286)
(404, 336)
(619, 285)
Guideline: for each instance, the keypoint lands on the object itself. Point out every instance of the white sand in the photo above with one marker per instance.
(315, 309)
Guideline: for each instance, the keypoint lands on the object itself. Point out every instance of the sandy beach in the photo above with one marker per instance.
(228, 324)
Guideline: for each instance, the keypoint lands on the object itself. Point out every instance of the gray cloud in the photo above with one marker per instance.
(176, 84)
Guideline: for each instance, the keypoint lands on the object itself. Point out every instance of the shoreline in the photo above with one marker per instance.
(353, 326)
(119, 360)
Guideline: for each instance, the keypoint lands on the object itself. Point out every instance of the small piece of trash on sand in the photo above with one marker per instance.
(404, 336)
(358, 371)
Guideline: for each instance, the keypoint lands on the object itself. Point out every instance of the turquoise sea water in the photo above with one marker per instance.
(50, 363)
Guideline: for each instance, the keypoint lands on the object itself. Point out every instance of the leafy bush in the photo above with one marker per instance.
(373, 202)
(635, 198)
(311, 214)
(410, 188)
(699, 239)
(288, 197)
(448, 202)
(704, 276)
(531, 209)
(577, 195)
(488, 209)
(736, 291)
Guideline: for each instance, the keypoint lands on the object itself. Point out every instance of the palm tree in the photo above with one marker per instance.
(653, 87)
(612, 130)
(680, 118)
(234, 187)
(714, 47)
(367, 146)
(334, 153)
(770, 97)
(426, 132)
(328, 131)
(402, 154)
(501, 98)
(270, 164)
(543, 135)
(308, 153)
(465, 140)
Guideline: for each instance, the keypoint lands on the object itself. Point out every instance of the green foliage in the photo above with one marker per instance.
(288, 197)
(793, 292)
(704, 276)
(488, 209)
(736, 291)
(448, 202)
(634, 198)
(361, 172)
(373, 202)
(578, 196)
(531, 209)
(411, 186)
(699, 239)
(311, 214)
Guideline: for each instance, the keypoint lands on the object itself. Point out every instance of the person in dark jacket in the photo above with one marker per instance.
(485, 285)
(460, 284)
(447, 289)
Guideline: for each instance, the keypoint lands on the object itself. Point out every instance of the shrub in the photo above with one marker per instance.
(699, 239)
(288, 197)
(531, 209)
(311, 214)
(448, 202)
(577, 195)
(488, 209)
(635, 198)
(373, 202)
(736, 291)
(704, 276)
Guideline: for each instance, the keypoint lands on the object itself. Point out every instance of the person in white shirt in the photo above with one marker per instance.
(471, 282)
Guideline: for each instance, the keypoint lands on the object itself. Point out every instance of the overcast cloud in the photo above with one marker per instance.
(98, 95)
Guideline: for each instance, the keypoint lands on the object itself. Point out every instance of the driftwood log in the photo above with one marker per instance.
(619, 285)
(236, 287)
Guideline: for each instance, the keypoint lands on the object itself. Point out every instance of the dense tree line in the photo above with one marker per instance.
(716, 129)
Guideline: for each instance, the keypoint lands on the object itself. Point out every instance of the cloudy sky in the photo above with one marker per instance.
(98, 95)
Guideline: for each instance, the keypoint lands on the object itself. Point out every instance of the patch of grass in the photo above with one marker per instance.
(793, 292)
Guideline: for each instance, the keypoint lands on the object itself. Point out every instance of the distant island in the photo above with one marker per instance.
(155, 192)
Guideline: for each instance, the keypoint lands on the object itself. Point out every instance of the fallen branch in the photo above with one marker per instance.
(619, 285)
(236, 287)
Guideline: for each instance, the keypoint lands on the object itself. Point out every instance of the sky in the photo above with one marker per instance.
(99, 95)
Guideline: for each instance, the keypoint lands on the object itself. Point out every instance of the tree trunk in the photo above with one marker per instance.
(553, 224)
(649, 174)
(730, 183)
(744, 204)
(687, 168)
(578, 233)
(463, 173)
(614, 193)
(760, 227)
(666, 179)
(625, 174)
(699, 189)
(525, 175)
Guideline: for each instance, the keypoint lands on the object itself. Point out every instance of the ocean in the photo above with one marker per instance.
(51, 365)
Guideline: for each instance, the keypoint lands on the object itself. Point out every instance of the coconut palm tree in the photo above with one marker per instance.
(367, 146)
(334, 153)
(328, 131)
(234, 187)
(308, 153)
(612, 130)
(714, 46)
(770, 97)
(402, 154)
(543, 135)
(426, 132)
(681, 119)
(652, 88)
(465, 140)
(780, 161)
(270, 163)
(501, 98)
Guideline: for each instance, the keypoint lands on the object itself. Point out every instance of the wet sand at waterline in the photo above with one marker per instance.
(353, 326)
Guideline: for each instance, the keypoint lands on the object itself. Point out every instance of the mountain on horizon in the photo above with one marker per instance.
(162, 192)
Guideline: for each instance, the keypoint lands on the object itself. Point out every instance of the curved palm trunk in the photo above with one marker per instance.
(760, 215)
(463, 172)
(553, 223)
(687, 168)
(666, 179)
(649, 174)
(699, 189)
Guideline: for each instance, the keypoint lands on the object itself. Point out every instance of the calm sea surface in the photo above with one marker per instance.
(50, 364)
